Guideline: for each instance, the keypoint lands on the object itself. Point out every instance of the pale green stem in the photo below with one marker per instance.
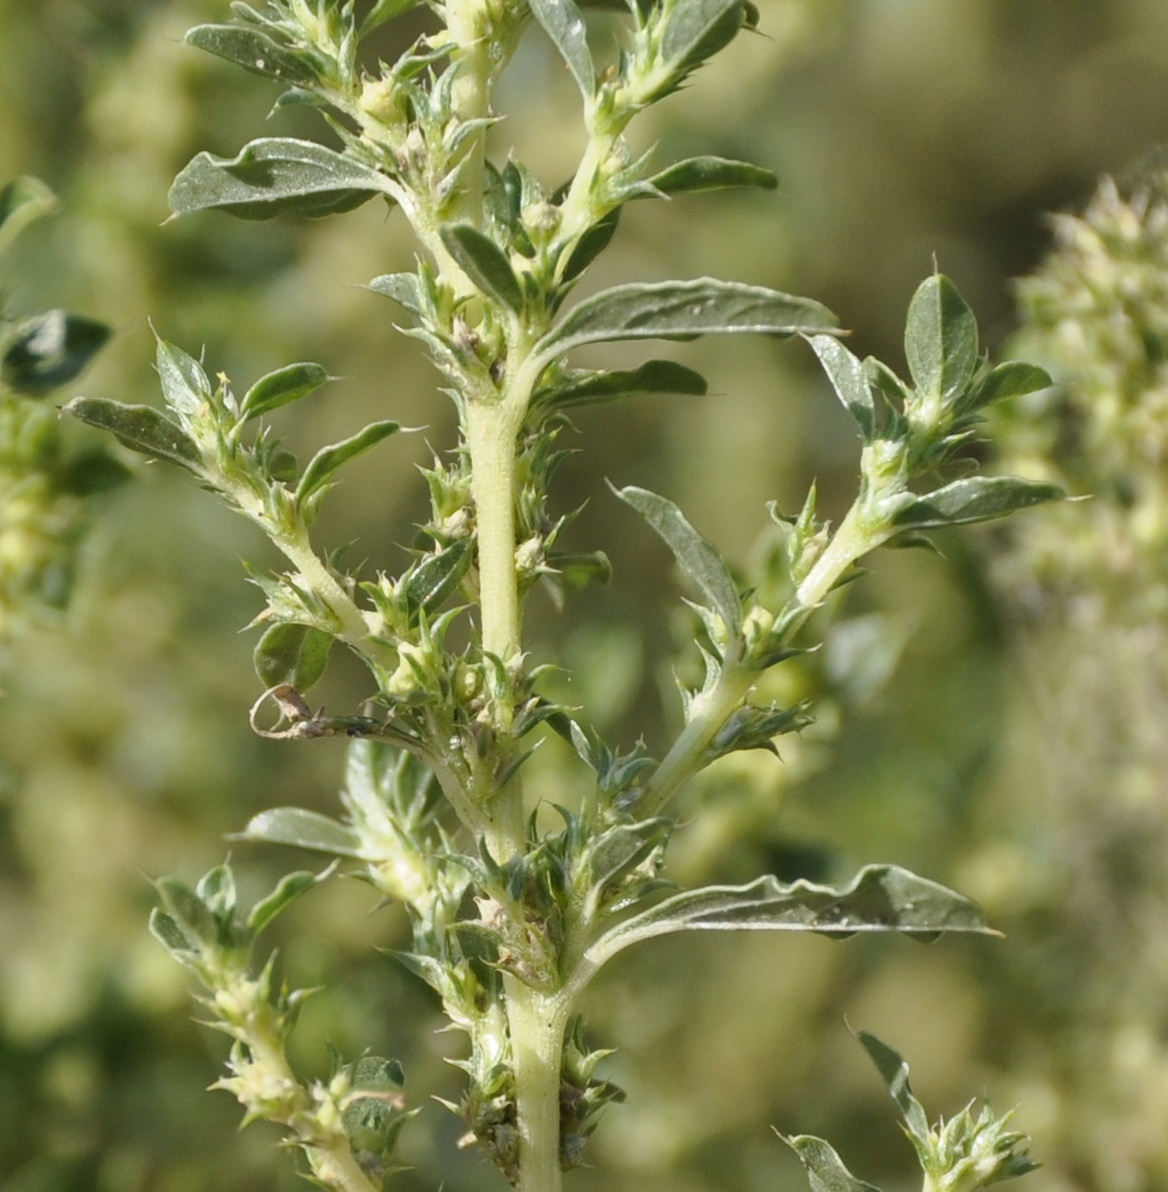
(850, 542)
(332, 1162)
(490, 429)
(536, 1023)
(707, 715)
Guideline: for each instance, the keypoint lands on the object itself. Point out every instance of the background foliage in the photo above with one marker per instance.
(951, 736)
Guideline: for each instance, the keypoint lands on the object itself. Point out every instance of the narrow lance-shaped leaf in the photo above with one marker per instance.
(696, 557)
(825, 1169)
(303, 829)
(563, 23)
(403, 288)
(711, 173)
(385, 10)
(327, 460)
(974, 499)
(256, 52)
(140, 428)
(274, 175)
(940, 338)
(846, 373)
(880, 898)
(22, 201)
(436, 577)
(481, 259)
(1015, 378)
(894, 1071)
(281, 387)
(290, 888)
(682, 310)
(654, 376)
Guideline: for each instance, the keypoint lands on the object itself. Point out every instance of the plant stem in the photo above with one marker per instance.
(708, 714)
(537, 1022)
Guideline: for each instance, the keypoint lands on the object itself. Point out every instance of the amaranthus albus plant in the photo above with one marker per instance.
(514, 910)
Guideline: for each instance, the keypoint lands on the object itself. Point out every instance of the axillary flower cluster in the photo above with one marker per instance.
(512, 918)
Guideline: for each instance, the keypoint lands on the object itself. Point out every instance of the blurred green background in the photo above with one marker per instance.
(967, 728)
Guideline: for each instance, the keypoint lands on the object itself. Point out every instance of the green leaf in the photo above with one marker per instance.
(140, 428)
(655, 376)
(217, 891)
(403, 288)
(167, 932)
(22, 201)
(385, 10)
(49, 350)
(711, 173)
(564, 24)
(698, 29)
(327, 460)
(846, 373)
(1015, 378)
(696, 557)
(880, 898)
(894, 1071)
(484, 262)
(256, 52)
(281, 387)
(291, 887)
(591, 244)
(303, 829)
(274, 175)
(940, 339)
(184, 382)
(682, 309)
(825, 1169)
(293, 654)
(974, 499)
(189, 913)
(435, 578)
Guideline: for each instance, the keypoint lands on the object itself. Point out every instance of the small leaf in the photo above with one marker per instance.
(696, 557)
(293, 654)
(481, 259)
(256, 52)
(894, 1071)
(848, 379)
(825, 1169)
(274, 175)
(188, 911)
(403, 288)
(184, 383)
(167, 932)
(683, 309)
(291, 887)
(1015, 378)
(22, 201)
(217, 891)
(879, 898)
(564, 24)
(436, 578)
(940, 339)
(328, 459)
(49, 350)
(591, 244)
(699, 29)
(140, 428)
(385, 10)
(303, 829)
(281, 387)
(711, 173)
(974, 499)
(654, 376)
